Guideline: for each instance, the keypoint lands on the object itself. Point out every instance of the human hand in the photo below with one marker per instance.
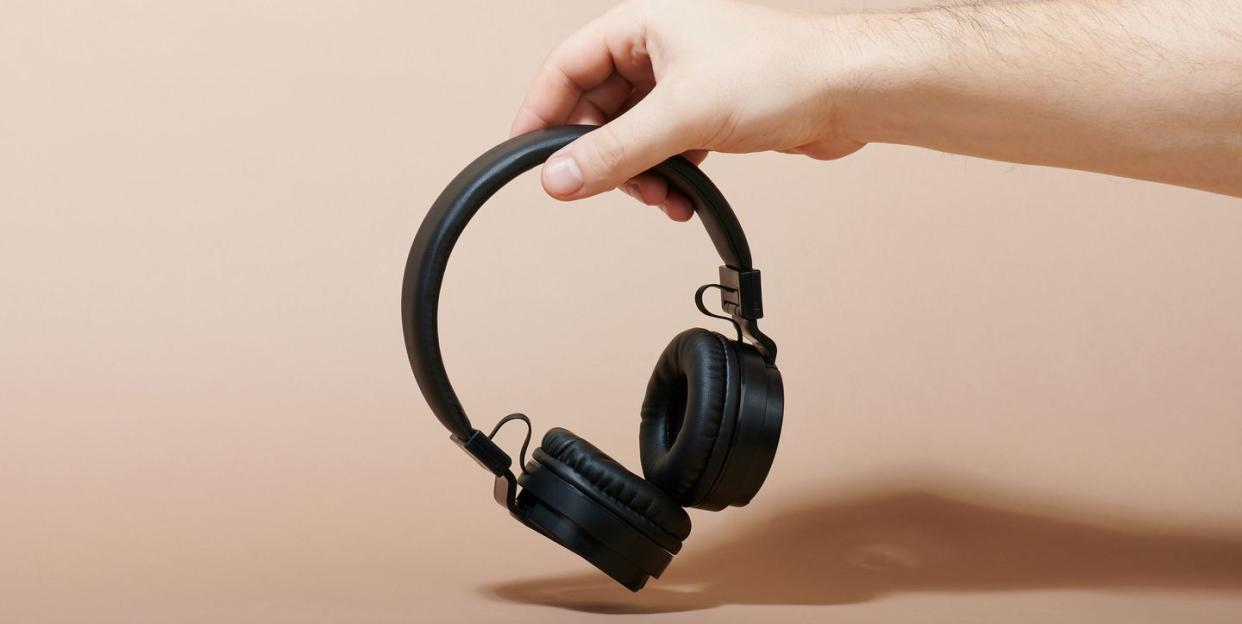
(669, 77)
(684, 77)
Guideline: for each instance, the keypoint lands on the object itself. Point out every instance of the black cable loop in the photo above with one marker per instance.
(698, 302)
(525, 443)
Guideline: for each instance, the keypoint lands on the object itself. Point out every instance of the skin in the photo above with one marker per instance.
(1146, 89)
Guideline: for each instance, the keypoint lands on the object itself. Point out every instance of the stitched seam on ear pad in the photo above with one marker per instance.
(608, 482)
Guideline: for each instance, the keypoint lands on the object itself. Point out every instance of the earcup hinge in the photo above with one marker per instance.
(504, 490)
(741, 298)
(495, 460)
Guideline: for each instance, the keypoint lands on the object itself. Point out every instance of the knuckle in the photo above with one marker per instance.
(608, 150)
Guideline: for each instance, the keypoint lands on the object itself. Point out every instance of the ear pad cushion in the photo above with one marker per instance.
(684, 410)
(640, 503)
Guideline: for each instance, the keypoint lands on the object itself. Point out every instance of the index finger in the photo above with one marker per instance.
(613, 43)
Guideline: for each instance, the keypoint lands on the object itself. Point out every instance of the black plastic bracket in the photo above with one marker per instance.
(504, 490)
(741, 297)
(741, 293)
(480, 447)
(485, 452)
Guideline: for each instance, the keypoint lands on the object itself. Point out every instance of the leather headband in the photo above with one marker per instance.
(462, 198)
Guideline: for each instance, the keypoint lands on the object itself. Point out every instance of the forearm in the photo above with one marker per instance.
(1143, 89)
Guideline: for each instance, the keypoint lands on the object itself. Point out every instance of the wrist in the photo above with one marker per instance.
(877, 64)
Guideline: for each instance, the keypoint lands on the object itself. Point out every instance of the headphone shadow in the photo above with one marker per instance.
(891, 540)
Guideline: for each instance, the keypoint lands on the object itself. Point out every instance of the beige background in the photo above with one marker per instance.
(1014, 393)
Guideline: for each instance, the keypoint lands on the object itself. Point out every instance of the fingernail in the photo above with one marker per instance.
(561, 176)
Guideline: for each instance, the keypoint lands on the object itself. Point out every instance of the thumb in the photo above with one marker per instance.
(607, 157)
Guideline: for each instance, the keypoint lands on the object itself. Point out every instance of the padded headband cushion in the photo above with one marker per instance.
(683, 410)
(609, 483)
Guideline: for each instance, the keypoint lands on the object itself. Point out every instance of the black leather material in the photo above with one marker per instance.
(462, 198)
(692, 388)
(640, 503)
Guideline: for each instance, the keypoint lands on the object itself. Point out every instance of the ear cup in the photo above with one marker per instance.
(711, 420)
(628, 495)
(693, 386)
(577, 495)
(745, 455)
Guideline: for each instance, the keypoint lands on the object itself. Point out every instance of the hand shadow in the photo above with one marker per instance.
(891, 540)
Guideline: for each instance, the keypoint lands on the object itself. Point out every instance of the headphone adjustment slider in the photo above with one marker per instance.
(740, 294)
(483, 450)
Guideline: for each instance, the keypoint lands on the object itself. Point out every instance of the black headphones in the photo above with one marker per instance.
(711, 418)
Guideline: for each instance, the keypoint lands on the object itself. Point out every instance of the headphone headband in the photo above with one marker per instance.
(462, 198)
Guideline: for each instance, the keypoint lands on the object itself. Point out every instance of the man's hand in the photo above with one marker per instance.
(1148, 89)
(679, 77)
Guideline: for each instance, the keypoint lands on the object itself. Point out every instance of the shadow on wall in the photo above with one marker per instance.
(836, 551)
